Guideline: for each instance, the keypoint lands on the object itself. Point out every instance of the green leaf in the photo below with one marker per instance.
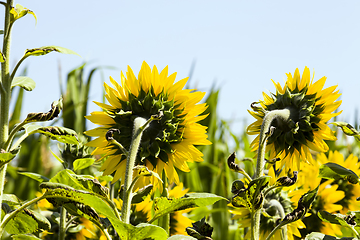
(24, 82)
(181, 237)
(11, 199)
(252, 196)
(125, 231)
(338, 219)
(140, 195)
(47, 49)
(82, 163)
(56, 107)
(35, 176)
(24, 237)
(19, 12)
(336, 171)
(164, 205)
(57, 158)
(6, 157)
(27, 221)
(61, 134)
(348, 129)
(80, 182)
(321, 236)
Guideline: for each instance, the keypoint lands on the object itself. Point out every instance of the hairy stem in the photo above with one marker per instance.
(62, 227)
(139, 127)
(283, 114)
(164, 221)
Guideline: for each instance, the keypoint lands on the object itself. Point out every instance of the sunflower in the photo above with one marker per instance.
(168, 142)
(328, 198)
(310, 108)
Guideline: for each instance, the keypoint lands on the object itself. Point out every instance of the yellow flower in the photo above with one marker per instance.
(88, 230)
(167, 143)
(310, 107)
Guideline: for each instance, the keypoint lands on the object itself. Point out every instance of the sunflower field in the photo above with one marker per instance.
(160, 163)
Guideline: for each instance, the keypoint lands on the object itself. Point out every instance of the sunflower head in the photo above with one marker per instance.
(170, 137)
(310, 108)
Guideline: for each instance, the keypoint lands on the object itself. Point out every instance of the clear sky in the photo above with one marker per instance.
(238, 46)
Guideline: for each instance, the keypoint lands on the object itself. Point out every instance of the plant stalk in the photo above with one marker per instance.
(164, 221)
(62, 226)
(283, 115)
(138, 129)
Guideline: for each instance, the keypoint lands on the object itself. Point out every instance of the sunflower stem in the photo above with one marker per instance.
(275, 203)
(138, 129)
(164, 221)
(6, 91)
(282, 115)
(62, 225)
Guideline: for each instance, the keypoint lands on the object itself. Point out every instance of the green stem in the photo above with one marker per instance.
(62, 225)
(108, 237)
(280, 210)
(164, 221)
(12, 135)
(282, 115)
(139, 127)
(273, 231)
(6, 93)
(10, 216)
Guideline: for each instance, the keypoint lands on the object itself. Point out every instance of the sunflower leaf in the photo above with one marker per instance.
(27, 221)
(181, 237)
(47, 49)
(24, 82)
(348, 129)
(24, 237)
(35, 176)
(82, 163)
(6, 157)
(19, 11)
(335, 171)
(56, 107)
(338, 219)
(61, 134)
(164, 205)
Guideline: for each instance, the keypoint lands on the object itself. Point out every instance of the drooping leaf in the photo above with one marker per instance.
(27, 221)
(252, 196)
(200, 230)
(338, 219)
(19, 11)
(140, 195)
(286, 181)
(11, 199)
(348, 129)
(24, 82)
(6, 157)
(56, 107)
(164, 205)
(80, 182)
(35, 176)
(47, 49)
(61, 134)
(24, 237)
(82, 163)
(335, 171)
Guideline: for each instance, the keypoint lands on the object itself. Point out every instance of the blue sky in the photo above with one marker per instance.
(238, 46)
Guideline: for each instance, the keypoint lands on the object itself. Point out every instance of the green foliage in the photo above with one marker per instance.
(321, 236)
(348, 129)
(47, 49)
(24, 237)
(24, 82)
(335, 171)
(27, 221)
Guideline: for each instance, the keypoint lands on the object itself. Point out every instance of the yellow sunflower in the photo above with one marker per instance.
(167, 142)
(310, 108)
(328, 198)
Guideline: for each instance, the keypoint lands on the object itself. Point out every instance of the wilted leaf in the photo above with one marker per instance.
(27, 221)
(61, 134)
(338, 219)
(56, 107)
(164, 205)
(82, 163)
(24, 82)
(47, 49)
(348, 129)
(35, 176)
(335, 171)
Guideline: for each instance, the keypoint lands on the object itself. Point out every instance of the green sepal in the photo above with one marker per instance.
(27, 221)
(348, 129)
(24, 82)
(165, 205)
(335, 171)
(47, 49)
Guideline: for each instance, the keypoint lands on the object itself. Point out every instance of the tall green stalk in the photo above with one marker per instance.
(282, 115)
(139, 125)
(5, 91)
